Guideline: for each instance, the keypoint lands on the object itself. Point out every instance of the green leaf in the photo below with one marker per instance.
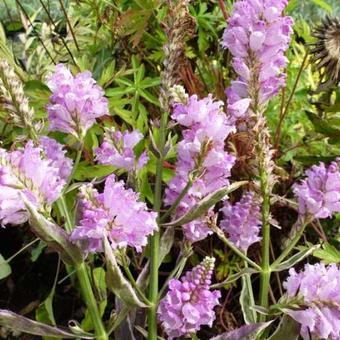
(246, 332)
(296, 258)
(328, 254)
(88, 171)
(53, 235)
(5, 268)
(323, 4)
(287, 329)
(20, 323)
(98, 275)
(205, 204)
(37, 251)
(44, 313)
(116, 280)
(247, 300)
(234, 277)
(322, 126)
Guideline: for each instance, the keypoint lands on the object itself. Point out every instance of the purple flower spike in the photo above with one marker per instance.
(242, 221)
(257, 36)
(117, 150)
(202, 150)
(39, 172)
(115, 213)
(319, 194)
(189, 304)
(75, 102)
(319, 287)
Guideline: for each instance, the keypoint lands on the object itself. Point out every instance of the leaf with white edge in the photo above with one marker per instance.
(247, 300)
(296, 258)
(234, 277)
(5, 268)
(205, 204)
(246, 332)
(117, 282)
(20, 323)
(53, 235)
(288, 329)
(328, 254)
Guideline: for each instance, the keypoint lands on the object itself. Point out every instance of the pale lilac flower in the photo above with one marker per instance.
(242, 221)
(201, 151)
(117, 150)
(117, 214)
(189, 304)
(257, 36)
(319, 194)
(55, 153)
(38, 172)
(319, 288)
(75, 102)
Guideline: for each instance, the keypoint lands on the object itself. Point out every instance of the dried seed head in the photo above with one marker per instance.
(326, 50)
(13, 98)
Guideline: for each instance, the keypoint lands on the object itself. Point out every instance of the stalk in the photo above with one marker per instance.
(265, 264)
(84, 282)
(178, 25)
(154, 239)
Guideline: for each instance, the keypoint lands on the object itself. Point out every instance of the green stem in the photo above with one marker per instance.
(176, 272)
(265, 264)
(155, 238)
(84, 281)
(133, 281)
(238, 252)
(291, 245)
(75, 166)
(178, 200)
(91, 302)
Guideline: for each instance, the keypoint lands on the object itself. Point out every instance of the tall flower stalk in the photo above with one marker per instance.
(178, 25)
(257, 36)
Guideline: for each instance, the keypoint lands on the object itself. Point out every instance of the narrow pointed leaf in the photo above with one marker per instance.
(20, 323)
(247, 332)
(53, 235)
(5, 268)
(234, 277)
(116, 281)
(287, 329)
(328, 254)
(296, 258)
(247, 300)
(205, 204)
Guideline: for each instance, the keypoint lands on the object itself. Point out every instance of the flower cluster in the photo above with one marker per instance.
(117, 150)
(115, 213)
(189, 304)
(75, 102)
(257, 36)
(319, 287)
(38, 172)
(242, 221)
(319, 193)
(200, 152)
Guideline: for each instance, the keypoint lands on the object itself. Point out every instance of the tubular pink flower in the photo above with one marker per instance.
(39, 172)
(202, 151)
(75, 102)
(319, 287)
(189, 304)
(117, 150)
(319, 194)
(115, 213)
(257, 36)
(242, 221)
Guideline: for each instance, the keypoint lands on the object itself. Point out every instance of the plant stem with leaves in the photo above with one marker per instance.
(179, 23)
